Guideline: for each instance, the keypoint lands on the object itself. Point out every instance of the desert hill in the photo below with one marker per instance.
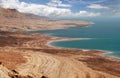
(13, 13)
(13, 20)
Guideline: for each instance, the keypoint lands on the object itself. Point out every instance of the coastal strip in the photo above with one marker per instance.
(53, 62)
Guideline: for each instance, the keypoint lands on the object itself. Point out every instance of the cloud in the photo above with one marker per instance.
(80, 14)
(85, 1)
(86, 13)
(115, 7)
(97, 6)
(117, 12)
(9, 3)
(44, 10)
(57, 3)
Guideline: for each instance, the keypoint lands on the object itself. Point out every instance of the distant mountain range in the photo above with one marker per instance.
(13, 13)
(13, 20)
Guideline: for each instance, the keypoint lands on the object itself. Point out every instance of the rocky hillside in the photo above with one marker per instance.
(12, 20)
(10, 13)
(13, 13)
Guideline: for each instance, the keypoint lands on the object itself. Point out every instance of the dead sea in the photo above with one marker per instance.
(102, 35)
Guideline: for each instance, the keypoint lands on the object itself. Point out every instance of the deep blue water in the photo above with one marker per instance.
(104, 34)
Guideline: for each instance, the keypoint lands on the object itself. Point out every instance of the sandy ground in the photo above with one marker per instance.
(11, 59)
(58, 67)
(30, 56)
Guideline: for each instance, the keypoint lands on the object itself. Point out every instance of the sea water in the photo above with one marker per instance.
(104, 35)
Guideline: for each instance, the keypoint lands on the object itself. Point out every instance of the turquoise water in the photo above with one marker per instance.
(104, 35)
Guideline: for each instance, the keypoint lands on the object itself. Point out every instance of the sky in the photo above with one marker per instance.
(65, 8)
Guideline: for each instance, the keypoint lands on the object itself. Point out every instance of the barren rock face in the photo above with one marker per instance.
(10, 13)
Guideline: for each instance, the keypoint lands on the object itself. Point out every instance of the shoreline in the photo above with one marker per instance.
(63, 39)
(103, 52)
(37, 49)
